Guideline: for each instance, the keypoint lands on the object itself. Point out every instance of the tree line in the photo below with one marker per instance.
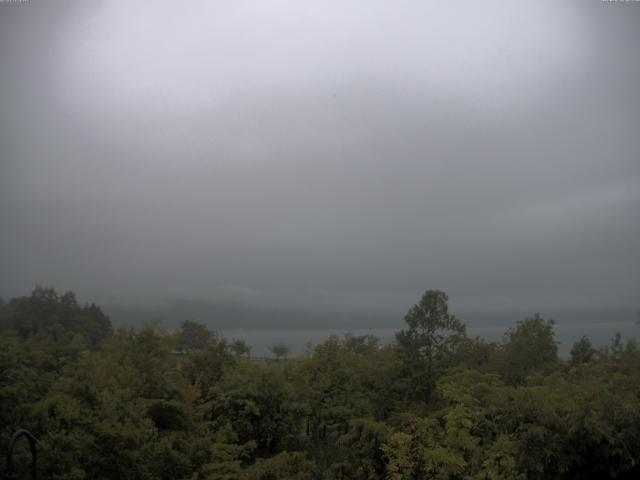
(436, 403)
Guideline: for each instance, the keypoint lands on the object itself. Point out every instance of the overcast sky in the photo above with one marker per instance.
(322, 154)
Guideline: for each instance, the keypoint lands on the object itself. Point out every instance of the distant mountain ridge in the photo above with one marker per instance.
(226, 315)
(234, 315)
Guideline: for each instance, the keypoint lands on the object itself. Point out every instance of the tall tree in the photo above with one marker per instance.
(430, 340)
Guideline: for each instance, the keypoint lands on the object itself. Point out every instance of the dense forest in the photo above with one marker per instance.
(436, 403)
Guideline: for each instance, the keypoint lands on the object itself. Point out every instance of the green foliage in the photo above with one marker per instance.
(529, 347)
(478, 353)
(192, 335)
(338, 383)
(582, 352)
(146, 404)
(428, 345)
(49, 317)
(26, 374)
(258, 402)
(618, 352)
(289, 465)
(360, 451)
(206, 367)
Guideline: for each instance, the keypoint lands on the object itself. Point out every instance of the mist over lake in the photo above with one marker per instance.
(298, 327)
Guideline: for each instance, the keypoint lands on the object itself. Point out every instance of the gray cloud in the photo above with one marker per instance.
(324, 155)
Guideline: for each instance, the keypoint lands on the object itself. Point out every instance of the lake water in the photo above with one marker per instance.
(297, 340)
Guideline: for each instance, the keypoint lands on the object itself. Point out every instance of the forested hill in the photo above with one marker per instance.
(437, 403)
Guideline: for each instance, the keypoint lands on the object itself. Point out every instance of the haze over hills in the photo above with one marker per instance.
(236, 315)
